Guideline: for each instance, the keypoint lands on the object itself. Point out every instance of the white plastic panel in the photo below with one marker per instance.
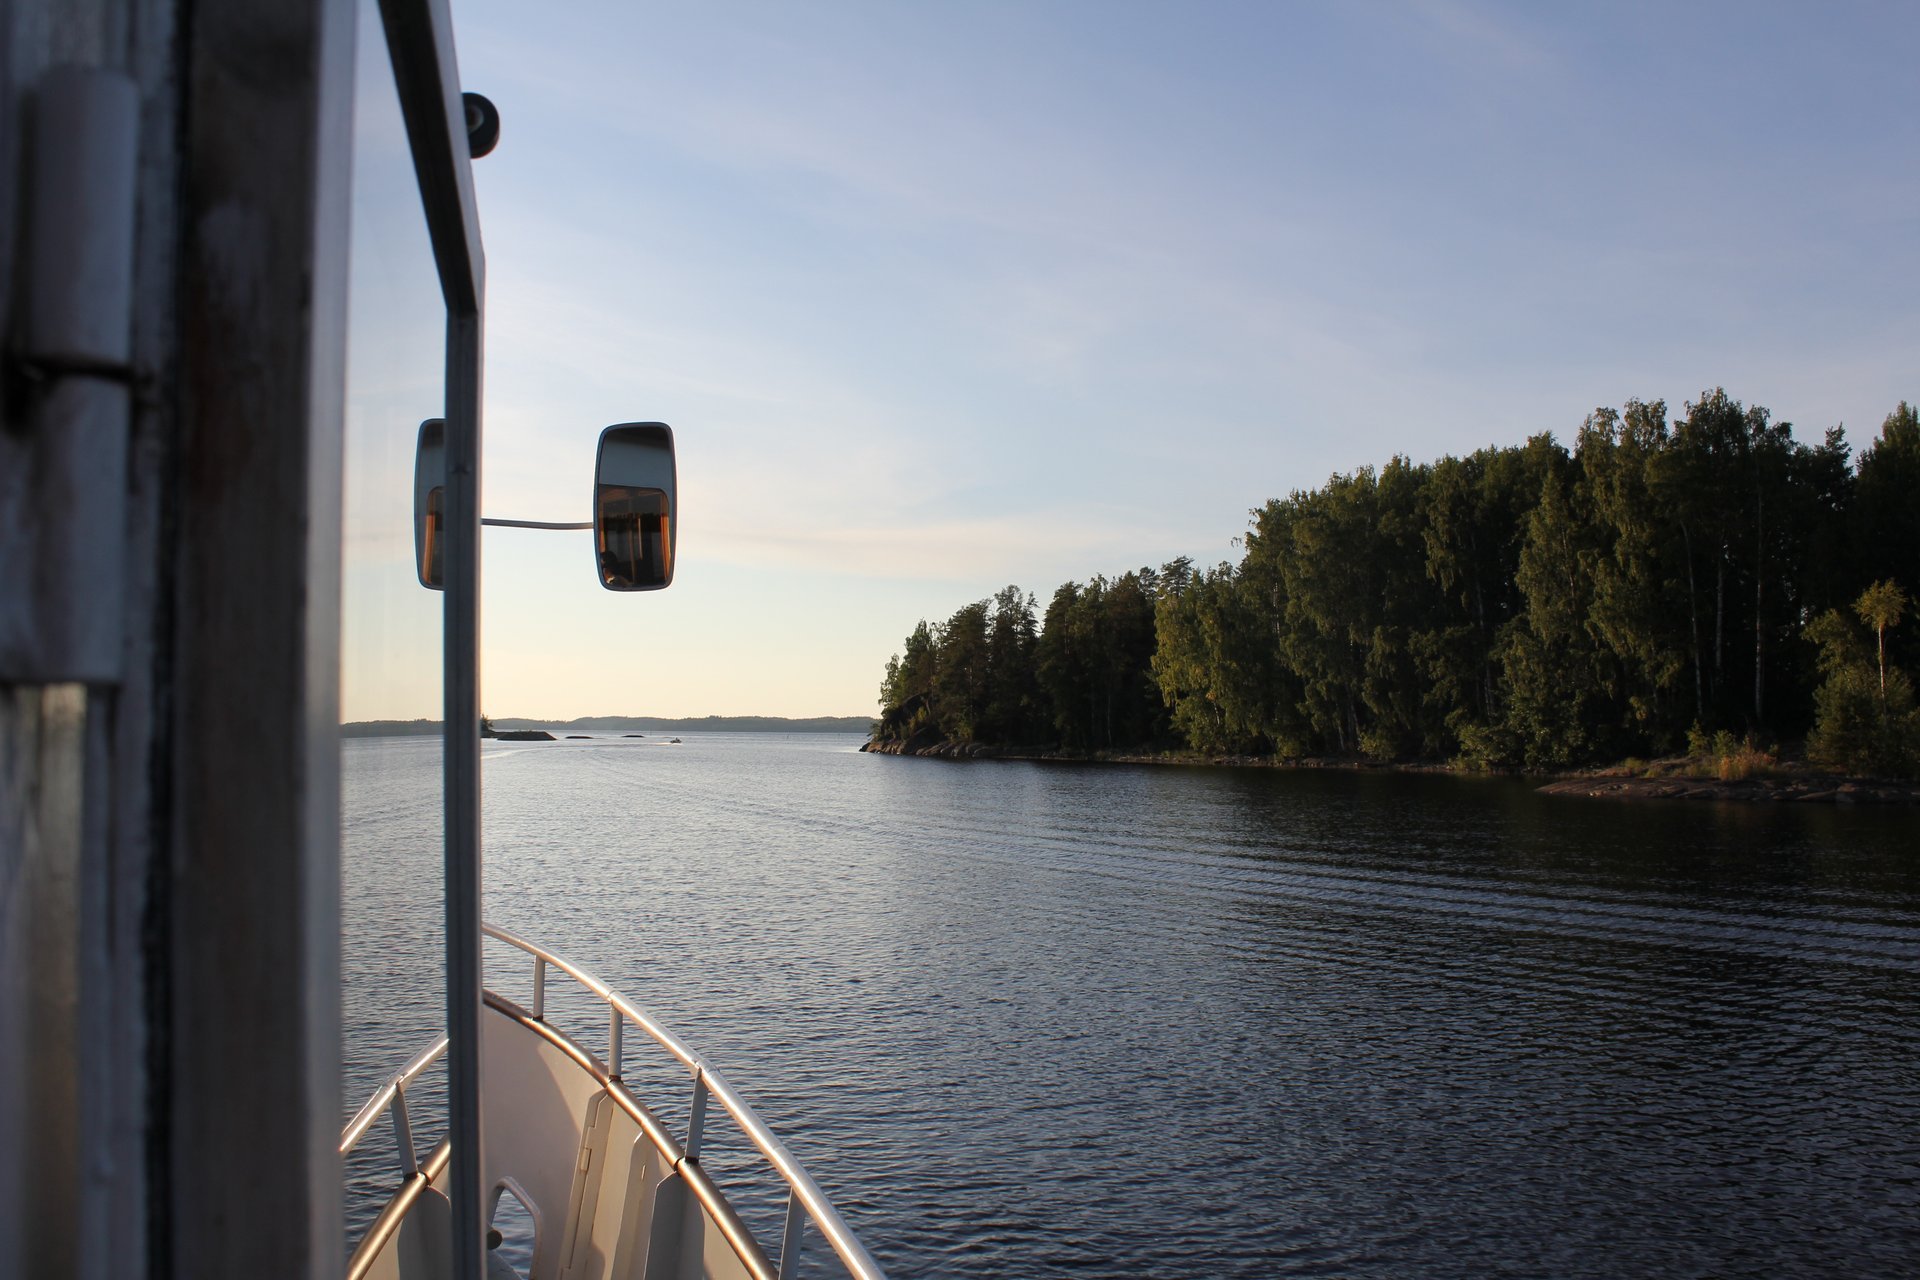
(418, 1250)
(534, 1116)
(705, 1253)
(608, 1237)
(597, 1183)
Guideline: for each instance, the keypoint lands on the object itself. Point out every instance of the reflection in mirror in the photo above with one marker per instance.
(392, 793)
(634, 507)
(431, 572)
(429, 501)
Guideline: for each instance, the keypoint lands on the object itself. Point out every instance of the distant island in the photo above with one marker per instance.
(623, 724)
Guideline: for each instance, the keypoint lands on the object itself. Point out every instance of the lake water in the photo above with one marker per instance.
(1035, 1020)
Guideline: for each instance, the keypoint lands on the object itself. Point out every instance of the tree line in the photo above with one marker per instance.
(1531, 605)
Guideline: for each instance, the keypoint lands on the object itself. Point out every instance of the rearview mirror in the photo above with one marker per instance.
(430, 502)
(634, 507)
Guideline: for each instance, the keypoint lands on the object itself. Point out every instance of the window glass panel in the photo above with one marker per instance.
(392, 990)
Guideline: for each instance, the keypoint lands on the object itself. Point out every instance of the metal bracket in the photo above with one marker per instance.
(49, 368)
(24, 378)
(71, 384)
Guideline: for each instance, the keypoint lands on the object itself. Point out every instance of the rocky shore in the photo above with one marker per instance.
(1803, 788)
(928, 745)
(1665, 780)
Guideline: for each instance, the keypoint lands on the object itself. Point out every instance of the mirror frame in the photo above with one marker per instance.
(656, 435)
(429, 479)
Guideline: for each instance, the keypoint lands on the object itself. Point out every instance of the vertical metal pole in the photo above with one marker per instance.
(462, 747)
(539, 989)
(613, 1040)
(403, 1132)
(790, 1238)
(697, 1115)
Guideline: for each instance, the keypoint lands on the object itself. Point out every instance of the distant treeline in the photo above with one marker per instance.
(389, 728)
(1533, 605)
(631, 724)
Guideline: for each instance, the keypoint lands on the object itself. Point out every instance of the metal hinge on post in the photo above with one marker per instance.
(61, 620)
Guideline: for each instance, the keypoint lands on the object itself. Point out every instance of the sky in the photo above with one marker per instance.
(943, 297)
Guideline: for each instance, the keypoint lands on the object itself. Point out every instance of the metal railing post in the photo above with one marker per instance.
(615, 1025)
(403, 1132)
(790, 1237)
(697, 1117)
(539, 988)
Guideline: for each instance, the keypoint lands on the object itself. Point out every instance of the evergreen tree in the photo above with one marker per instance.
(1063, 667)
(1558, 675)
(962, 674)
(1013, 707)
(1638, 607)
(906, 694)
(1326, 566)
(1213, 659)
(1272, 690)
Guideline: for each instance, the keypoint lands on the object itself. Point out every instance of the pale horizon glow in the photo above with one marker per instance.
(939, 298)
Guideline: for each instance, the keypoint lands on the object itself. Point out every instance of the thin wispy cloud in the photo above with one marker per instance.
(1483, 34)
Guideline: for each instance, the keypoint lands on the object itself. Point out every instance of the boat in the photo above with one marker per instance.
(611, 1193)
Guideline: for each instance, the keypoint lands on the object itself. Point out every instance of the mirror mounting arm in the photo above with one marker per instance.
(635, 510)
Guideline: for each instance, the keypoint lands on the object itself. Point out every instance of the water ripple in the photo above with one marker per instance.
(1046, 1020)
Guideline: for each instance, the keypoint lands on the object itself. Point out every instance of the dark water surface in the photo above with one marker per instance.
(1029, 1020)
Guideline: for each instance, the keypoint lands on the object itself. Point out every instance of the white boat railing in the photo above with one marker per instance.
(393, 1096)
(805, 1200)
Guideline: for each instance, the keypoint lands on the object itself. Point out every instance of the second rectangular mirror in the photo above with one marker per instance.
(429, 501)
(634, 507)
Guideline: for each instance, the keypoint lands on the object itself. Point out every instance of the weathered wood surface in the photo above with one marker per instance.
(254, 877)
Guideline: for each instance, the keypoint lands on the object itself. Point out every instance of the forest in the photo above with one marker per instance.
(1659, 585)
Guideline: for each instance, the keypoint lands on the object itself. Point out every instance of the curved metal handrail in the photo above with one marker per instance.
(367, 1252)
(392, 1092)
(804, 1191)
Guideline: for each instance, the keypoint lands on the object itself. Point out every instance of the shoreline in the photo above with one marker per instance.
(1792, 782)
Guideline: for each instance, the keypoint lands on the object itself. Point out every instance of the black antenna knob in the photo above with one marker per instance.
(483, 124)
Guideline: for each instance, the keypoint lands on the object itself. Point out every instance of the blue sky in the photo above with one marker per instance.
(942, 297)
